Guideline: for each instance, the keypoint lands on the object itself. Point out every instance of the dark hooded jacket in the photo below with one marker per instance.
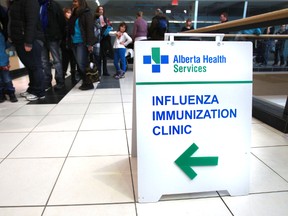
(54, 31)
(25, 25)
(3, 21)
(86, 24)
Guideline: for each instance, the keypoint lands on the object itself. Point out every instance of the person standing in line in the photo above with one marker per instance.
(105, 41)
(140, 28)
(188, 25)
(28, 38)
(53, 24)
(223, 17)
(82, 37)
(267, 44)
(279, 47)
(67, 53)
(6, 85)
(121, 41)
(159, 26)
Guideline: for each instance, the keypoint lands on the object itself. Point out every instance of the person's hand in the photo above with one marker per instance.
(90, 48)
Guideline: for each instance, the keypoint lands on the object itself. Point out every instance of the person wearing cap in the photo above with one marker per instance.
(159, 26)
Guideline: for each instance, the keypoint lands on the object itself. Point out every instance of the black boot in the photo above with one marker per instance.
(2, 98)
(86, 86)
(13, 98)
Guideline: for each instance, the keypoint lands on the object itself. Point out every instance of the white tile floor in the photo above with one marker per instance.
(73, 159)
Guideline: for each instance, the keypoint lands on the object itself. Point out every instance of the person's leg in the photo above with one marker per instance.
(73, 67)
(33, 64)
(276, 55)
(65, 60)
(8, 86)
(97, 57)
(266, 53)
(46, 64)
(281, 52)
(104, 65)
(55, 50)
(104, 46)
(122, 53)
(2, 95)
(81, 56)
(116, 59)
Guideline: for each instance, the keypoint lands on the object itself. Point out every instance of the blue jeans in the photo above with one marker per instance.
(268, 45)
(32, 63)
(119, 54)
(81, 55)
(6, 85)
(54, 48)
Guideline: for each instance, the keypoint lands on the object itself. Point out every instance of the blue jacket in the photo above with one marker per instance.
(4, 58)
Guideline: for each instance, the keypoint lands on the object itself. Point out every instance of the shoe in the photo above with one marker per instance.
(118, 72)
(24, 94)
(120, 75)
(13, 98)
(106, 74)
(59, 86)
(32, 97)
(86, 86)
(275, 64)
(2, 98)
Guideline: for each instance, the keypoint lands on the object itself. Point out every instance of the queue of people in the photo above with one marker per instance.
(70, 35)
(264, 48)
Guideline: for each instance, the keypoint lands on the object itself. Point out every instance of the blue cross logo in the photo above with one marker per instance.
(157, 60)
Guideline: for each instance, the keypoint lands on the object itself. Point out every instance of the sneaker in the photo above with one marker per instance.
(24, 94)
(120, 75)
(32, 97)
(13, 98)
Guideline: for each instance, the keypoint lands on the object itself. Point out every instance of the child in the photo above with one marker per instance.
(121, 41)
(6, 85)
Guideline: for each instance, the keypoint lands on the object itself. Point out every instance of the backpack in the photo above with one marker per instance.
(162, 24)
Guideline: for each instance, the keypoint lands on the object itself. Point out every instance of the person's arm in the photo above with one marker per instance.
(31, 14)
(128, 39)
(90, 38)
(134, 30)
(113, 33)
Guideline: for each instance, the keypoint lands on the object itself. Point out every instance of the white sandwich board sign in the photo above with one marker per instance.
(193, 117)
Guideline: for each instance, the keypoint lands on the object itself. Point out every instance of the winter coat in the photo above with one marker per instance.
(86, 24)
(25, 25)
(56, 22)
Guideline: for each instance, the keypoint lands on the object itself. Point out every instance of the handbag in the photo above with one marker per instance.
(92, 72)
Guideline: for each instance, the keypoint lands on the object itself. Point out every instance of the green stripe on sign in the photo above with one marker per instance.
(156, 55)
(194, 83)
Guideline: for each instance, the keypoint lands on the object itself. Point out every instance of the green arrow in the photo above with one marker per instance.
(185, 161)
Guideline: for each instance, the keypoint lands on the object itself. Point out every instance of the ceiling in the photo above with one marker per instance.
(124, 10)
(208, 11)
